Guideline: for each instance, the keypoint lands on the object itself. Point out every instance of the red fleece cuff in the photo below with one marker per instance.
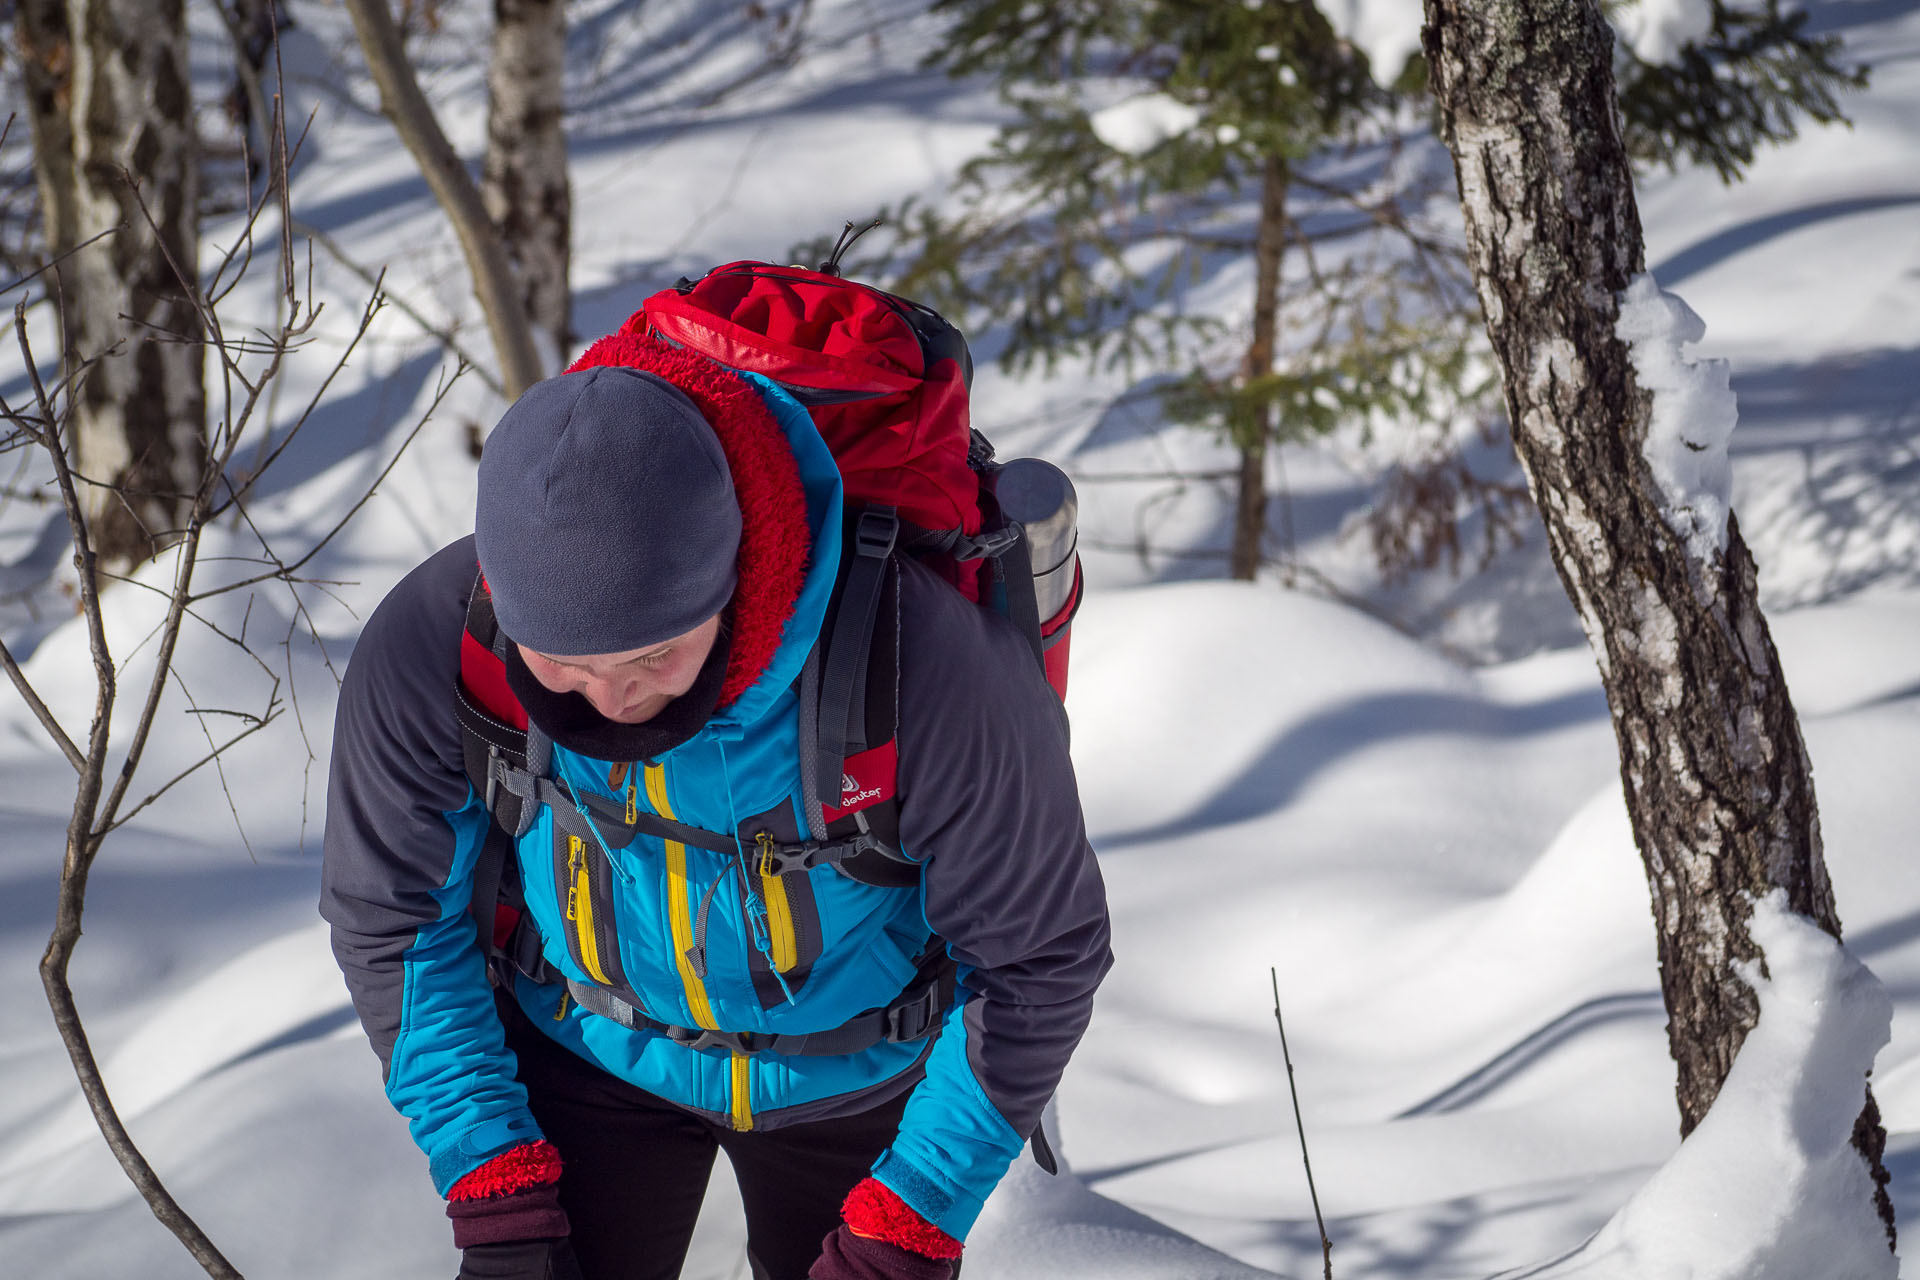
(531, 1164)
(874, 1211)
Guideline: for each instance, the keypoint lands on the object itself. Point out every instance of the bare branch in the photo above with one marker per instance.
(40, 711)
(1117, 477)
(211, 757)
(82, 847)
(84, 559)
(495, 281)
(66, 1016)
(441, 334)
(217, 509)
(51, 263)
(362, 501)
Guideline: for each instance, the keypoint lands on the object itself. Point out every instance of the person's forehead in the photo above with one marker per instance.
(603, 659)
(590, 660)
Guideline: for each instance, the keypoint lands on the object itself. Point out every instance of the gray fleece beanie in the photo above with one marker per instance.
(606, 519)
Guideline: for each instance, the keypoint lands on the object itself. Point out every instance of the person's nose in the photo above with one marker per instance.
(610, 696)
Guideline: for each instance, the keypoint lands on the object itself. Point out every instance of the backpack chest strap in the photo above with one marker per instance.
(593, 817)
(911, 1015)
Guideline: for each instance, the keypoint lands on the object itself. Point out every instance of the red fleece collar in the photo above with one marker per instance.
(874, 1211)
(774, 540)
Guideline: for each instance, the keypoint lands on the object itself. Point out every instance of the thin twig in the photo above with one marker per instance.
(83, 846)
(211, 757)
(1127, 477)
(438, 333)
(51, 263)
(218, 509)
(288, 569)
(1326, 1245)
(40, 711)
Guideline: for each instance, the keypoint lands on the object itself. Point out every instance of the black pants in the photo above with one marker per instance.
(636, 1168)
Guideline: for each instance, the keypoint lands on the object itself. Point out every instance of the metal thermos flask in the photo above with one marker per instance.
(1038, 495)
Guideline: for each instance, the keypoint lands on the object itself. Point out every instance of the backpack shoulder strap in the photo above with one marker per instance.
(849, 698)
(493, 725)
(840, 729)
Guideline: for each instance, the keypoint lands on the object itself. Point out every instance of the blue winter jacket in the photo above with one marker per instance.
(988, 808)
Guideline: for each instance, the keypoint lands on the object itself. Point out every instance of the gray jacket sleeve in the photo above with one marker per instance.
(396, 775)
(403, 834)
(991, 808)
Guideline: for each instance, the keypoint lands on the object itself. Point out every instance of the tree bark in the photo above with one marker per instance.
(1270, 242)
(116, 162)
(1717, 780)
(495, 282)
(142, 414)
(45, 45)
(524, 178)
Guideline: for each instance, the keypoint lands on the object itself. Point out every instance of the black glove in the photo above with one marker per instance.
(846, 1256)
(520, 1260)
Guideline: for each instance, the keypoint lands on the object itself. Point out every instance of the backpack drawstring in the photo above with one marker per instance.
(754, 904)
(580, 806)
(831, 267)
(758, 921)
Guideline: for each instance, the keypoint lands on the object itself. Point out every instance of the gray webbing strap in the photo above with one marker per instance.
(911, 1016)
(604, 820)
(843, 684)
(810, 746)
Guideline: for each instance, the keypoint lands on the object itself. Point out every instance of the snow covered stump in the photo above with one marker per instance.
(1768, 1186)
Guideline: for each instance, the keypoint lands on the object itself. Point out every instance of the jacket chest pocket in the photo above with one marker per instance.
(583, 883)
(782, 912)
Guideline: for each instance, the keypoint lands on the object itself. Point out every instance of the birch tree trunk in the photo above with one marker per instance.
(524, 178)
(1717, 780)
(1270, 242)
(495, 282)
(45, 46)
(112, 124)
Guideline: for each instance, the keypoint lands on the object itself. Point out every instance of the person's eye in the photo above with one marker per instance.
(650, 659)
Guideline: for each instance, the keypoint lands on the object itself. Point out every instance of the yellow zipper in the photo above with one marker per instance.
(580, 909)
(785, 951)
(680, 910)
(680, 906)
(742, 1082)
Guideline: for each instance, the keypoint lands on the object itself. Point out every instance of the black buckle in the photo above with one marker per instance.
(876, 531)
(989, 544)
(913, 1019)
(777, 857)
(741, 1042)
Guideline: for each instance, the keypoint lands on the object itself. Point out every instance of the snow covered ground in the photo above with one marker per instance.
(1432, 857)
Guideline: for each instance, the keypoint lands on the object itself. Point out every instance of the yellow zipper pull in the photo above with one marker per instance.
(765, 841)
(575, 849)
(560, 1014)
(633, 801)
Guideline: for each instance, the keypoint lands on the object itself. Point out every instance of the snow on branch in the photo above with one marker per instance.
(1141, 123)
(1694, 412)
(1387, 31)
